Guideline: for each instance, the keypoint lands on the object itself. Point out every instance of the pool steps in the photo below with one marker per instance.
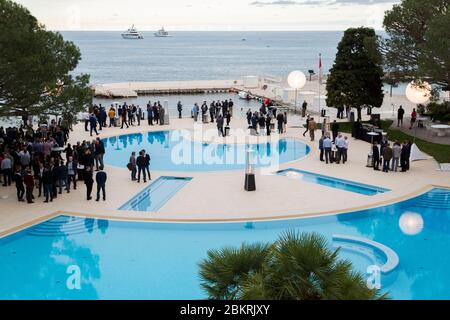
(357, 244)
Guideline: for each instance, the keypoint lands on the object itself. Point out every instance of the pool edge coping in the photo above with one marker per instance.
(55, 214)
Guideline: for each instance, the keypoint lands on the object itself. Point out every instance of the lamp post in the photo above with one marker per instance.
(250, 181)
(296, 80)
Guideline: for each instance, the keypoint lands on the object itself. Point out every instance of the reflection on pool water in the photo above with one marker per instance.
(172, 151)
(130, 260)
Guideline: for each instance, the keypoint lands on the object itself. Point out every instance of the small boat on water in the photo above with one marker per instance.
(132, 33)
(162, 33)
(244, 95)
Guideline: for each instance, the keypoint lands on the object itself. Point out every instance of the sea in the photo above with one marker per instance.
(201, 55)
(108, 58)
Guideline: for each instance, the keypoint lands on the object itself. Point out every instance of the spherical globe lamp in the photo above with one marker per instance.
(296, 79)
(411, 223)
(418, 93)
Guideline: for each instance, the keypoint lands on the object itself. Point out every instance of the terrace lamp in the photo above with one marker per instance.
(250, 181)
(296, 80)
(418, 92)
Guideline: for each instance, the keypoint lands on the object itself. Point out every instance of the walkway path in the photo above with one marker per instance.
(421, 133)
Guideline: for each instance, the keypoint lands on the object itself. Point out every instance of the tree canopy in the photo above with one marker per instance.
(355, 79)
(35, 66)
(418, 46)
(295, 267)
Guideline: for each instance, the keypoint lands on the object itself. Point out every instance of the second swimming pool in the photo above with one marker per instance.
(131, 260)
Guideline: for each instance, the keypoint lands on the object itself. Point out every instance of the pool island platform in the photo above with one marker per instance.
(219, 196)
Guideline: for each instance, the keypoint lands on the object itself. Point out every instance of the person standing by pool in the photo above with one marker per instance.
(112, 117)
(124, 118)
(307, 125)
(63, 176)
(72, 167)
(132, 166)
(339, 142)
(195, 111)
(149, 114)
(89, 182)
(212, 111)
(387, 157)
(180, 109)
(155, 113)
(99, 152)
(6, 167)
(400, 115)
(18, 179)
(101, 178)
(220, 123)
(376, 157)
(162, 114)
(93, 124)
(312, 126)
(249, 117)
(140, 162)
(228, 117)
(304, 108)
(29, 185)
(268, 124)
(280, 120)
(47, 184)
(147, 163)
(396, 154)
(413, 118)
(139, 115)
(345, 150)
(404, 157)
(322, 151)
(327, 145)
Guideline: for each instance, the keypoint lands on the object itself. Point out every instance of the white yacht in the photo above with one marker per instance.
(132, 33)
(162, 33)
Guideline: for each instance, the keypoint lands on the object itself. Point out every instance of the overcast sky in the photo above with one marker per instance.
(209, 14)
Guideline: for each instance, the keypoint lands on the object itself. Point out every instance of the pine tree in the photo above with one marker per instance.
(355, 79)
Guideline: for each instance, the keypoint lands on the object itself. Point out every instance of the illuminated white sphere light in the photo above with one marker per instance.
(411, 223)
(418, 93)
(297, 79)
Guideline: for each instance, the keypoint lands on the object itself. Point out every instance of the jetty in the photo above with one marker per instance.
(134, 89)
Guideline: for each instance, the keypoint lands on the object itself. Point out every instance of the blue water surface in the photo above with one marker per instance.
(351, 186)
(156, 195)
(171, 151)
(130, 260)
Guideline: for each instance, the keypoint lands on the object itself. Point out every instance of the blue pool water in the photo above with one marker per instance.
(129, 260)
(171, 151)
(152, 198)
(331, 182)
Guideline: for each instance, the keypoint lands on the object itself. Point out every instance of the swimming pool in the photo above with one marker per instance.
(152, 198)
(172, 151)
(332, 182)
(130, 260)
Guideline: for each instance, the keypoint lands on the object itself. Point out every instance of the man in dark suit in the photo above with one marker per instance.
(147, 163)
(88, 181)
(140, 162)
(101, 178)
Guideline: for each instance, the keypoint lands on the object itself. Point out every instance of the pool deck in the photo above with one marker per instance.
(220, 196)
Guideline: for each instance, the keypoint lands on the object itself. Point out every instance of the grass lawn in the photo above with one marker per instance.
(439, 152)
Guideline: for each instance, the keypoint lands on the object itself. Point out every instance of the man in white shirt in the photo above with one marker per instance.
(340, 142)
(6, 167)
(345, 150)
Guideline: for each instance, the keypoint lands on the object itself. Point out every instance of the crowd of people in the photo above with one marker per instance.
(32, 160)
(265, 119)
(391, 157)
